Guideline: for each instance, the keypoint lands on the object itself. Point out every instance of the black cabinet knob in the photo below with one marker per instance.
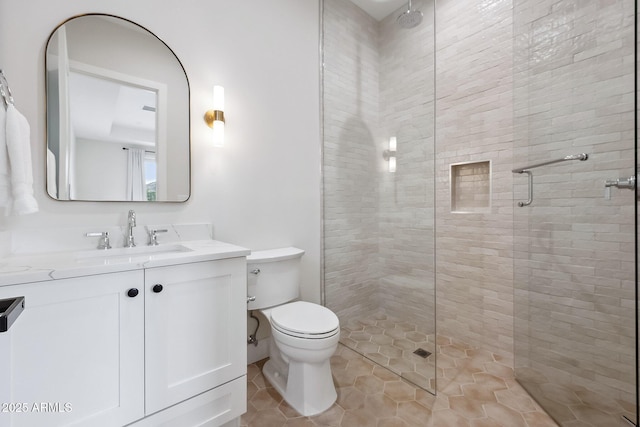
(157, 288)
(133, 292)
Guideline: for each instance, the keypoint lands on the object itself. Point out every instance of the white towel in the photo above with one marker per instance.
(19, 149)
(5, 183)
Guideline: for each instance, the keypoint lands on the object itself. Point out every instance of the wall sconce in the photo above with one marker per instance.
(390, 154)
(215, 117)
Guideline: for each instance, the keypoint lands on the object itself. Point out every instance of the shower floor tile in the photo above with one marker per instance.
(474, 391)
(573, 404)
(391, 342)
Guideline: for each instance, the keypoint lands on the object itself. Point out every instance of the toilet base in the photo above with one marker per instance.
(310, 397)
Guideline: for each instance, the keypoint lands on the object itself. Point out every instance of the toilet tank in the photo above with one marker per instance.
(273, 277)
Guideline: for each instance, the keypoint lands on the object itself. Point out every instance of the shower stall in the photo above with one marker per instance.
(575, 245)
(487, 154)
(379, 259)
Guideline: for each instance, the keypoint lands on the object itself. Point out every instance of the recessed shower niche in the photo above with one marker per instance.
(470, 187)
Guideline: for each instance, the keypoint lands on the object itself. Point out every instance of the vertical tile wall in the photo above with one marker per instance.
(352, 159)
(570, 76)
(575, 255)
(474, 123)
(406, 197)
(379, 226)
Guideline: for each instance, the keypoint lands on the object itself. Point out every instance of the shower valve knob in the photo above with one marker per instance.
(628, 183)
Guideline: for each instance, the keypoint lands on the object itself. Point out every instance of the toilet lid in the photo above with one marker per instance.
(304, 318)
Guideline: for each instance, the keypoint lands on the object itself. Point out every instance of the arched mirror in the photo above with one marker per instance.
(117, 114)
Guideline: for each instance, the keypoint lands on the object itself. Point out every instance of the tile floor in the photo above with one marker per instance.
(391, 342)
(574, 405)
(476, 390)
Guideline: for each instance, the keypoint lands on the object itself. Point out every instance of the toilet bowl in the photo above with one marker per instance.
(304, 335)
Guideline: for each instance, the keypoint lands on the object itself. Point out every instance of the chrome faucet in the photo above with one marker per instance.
(131, 222)
(153, 236)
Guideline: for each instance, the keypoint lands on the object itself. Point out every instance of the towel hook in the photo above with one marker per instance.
(5, 91)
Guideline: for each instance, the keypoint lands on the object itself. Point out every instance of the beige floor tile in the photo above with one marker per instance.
(414, 413)
(391, 422)
(591, 415)
(381, 405)
(504, 416)
(350, 398)
(330, 417)
(516, 401)
(449, 418)
(538, 419)
(399, 391)
(469, 408)
(359, 418)
(370, 395)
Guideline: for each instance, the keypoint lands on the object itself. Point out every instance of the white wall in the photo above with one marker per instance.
(100, 170)
(262, 189)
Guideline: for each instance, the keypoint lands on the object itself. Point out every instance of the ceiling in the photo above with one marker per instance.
(106, 110)
(380, 9)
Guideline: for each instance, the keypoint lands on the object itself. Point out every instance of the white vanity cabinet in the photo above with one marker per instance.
(160, 346)
(195, 318)
(75, 356)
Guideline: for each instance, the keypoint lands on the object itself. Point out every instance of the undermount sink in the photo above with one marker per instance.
(127, 254)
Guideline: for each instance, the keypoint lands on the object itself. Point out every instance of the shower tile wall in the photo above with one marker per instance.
(352, 157)
(474, 123)
(406, 197)
(379, 226)
(379, 242)
(575, 250)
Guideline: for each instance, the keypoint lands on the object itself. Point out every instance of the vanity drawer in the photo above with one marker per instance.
(210, 409)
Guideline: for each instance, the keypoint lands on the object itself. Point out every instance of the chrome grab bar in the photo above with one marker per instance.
(582, 157)
(530, 199)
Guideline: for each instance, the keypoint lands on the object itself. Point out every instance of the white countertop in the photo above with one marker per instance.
(61, 265)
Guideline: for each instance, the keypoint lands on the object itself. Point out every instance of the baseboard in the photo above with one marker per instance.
(259, 352)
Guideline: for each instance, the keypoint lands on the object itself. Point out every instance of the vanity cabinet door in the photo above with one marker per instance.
(75, 354)
(195, 319)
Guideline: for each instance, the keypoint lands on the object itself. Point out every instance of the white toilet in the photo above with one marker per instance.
(304, 335)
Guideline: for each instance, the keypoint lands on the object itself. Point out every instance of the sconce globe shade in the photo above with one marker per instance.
(218, 133)
(393, 143)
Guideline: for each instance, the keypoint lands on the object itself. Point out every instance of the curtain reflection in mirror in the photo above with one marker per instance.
(135, 175)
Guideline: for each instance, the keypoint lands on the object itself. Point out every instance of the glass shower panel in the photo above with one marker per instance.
(378, 83)
(574, 245)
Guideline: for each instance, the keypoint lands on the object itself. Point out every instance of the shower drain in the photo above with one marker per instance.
(422, 353)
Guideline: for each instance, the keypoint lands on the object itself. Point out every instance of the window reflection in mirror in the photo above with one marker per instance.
(117, 114)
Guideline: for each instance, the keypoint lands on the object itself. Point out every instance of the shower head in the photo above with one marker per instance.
(410, 18)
